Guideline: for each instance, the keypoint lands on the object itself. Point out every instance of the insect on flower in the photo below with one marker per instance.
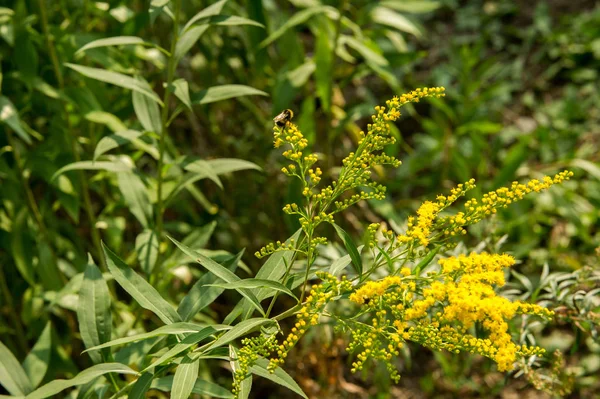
(284, 117)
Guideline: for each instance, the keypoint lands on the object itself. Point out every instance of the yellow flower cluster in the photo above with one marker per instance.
(252, 349)
(320, 295)
(439, 311)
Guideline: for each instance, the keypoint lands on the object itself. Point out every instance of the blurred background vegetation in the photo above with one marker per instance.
(523, 100)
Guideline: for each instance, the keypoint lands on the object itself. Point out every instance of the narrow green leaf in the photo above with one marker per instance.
(146, 246)
(413, 6)
(197, 239)
(256, 283)
(246, 384)
(201, 294)
(20, 255)
(144, 294)
(141, 386)
(241, 329)
(117, 79)
(219, 271)
(279, 376)
(227, 165)
(182, 91)
(56, 386)
(324, 69)
(136, 196)
(351, 248)
(366, 52)
(10, 116)
(187, 40)
(230, 20)
(147, 111)
(387, 17)
(113, 141)
(224, 92)
(426, 260)
(204, 169)
(116, 166)
(107, 119)
(12, 375)
(111, 41)
(201, 387)
(171, 329)
(185, 378)
(93, 312)
(156, 7)
(213, 9)
(297, 19)
(340, 264)
(37, 361)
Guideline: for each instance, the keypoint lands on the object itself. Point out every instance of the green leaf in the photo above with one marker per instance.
(340, 264)
(117, 79)
(227, 165)
(213, 9)
(387, 17)
(136, 196)
(147, 111)
(224, 92)
(426, 260)
(246, 384)
(279, 376)
(297, 19)
(187, 41)
(12, 375)
(156, 7)
(351, 248)
(201, 294)
(366, 52)
(185, 378)
(195, 240)
(203, 169)
(324, 69)
(182, 91)
(111, 41)
(93, 312)
(116, 166)
(56, 386)
(171, 329)
(10, 116)
(230, 20)
(37, 361)
(414, 6)
(113, 141)
(241, 329)
(146, 246)
(107, 119)
(20, 255)
(141, 386)
(144, 294)
(516, 155)
(256, 283)
(219, 271)
(201, 387)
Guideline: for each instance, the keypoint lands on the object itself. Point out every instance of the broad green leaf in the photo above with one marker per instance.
(171, 329)
(136, 196)
(219, 271)
(201, 295)
(143, 293)
(110, 166)
(113, 141)
(182, 91)
(185, 344)
(117, 79)
(10, 116)
(367, 53)
(201, 387)
(413, 6)
(93, 312)
(224, 92)
(279, 376)
(213, 9)
(246, 384)
(227, 165)
(141, 386)
(204, 169)
(146, 246)
(185, 378)
(107, 119)
(37, 361)
(56, 386)
(387, 17)
(255, 283)
(351, 248)
(111, 41)
(12, 375)
(147, 111)
(20, 255)
(241, 329)
(340, 264)
(297, 19)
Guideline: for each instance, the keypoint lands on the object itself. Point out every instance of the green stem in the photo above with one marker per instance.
(13, 311)
(172, 64)
(87, 202)
(309, 262)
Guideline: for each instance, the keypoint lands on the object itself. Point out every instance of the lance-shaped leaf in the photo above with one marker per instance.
(213, 9)
(351, 248)
(279, 376)
(223, 92)
(185, 377)
(297, 19)
(141, 386)
(37, 361)
(144, 294)
(116, 166)
(111, 41)
(147, 111)
(12, 375)
(239, 330)
(10, 116)
(256, 283)
(201, 387)
(113, 141)
(136, 196)
(146, 246)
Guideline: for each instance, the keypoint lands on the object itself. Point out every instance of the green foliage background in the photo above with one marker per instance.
(522, 100)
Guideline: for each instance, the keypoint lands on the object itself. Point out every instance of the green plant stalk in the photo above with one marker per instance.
(8, 299)
(87, 201)
(164, 125)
